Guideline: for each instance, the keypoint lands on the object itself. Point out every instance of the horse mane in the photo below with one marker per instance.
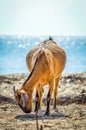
(33, 68)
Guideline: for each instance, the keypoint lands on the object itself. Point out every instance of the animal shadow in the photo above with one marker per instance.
(41, 116)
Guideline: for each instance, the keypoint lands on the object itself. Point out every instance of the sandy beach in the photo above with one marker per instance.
(71, 105)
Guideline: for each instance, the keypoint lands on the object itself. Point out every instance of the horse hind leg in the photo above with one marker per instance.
(56, 93)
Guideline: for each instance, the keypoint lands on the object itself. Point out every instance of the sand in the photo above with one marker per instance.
(71, 105)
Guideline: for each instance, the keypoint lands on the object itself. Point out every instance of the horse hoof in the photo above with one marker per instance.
(56, 109)
(47, 113)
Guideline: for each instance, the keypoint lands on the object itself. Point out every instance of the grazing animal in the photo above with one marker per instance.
(46, 62)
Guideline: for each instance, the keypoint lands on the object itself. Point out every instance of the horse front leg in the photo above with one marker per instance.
(38, 98)
(37, 103)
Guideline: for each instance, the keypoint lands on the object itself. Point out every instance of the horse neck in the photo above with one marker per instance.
(31, 82)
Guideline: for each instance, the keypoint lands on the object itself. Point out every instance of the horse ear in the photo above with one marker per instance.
(14, 89)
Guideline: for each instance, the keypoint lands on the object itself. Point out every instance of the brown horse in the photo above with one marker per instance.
(46, 62)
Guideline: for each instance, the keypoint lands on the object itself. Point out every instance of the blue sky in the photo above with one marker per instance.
(43, 17)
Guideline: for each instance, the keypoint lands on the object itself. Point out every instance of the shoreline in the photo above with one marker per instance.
(68, 81)
(64, 73)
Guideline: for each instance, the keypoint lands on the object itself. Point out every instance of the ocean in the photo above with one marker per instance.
(13, 50)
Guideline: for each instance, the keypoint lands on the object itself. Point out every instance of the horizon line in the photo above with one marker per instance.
(42, 35)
